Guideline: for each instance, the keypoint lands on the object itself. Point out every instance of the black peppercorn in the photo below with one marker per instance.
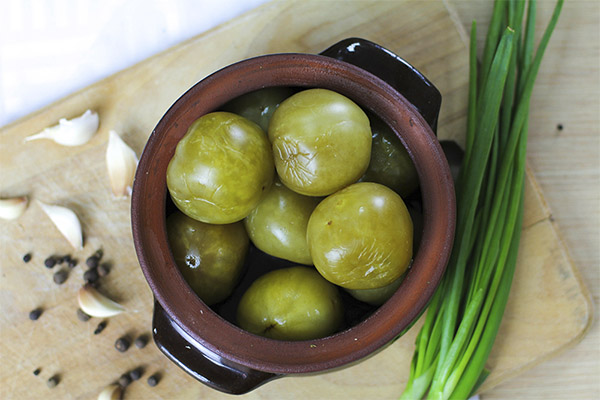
(92, 261)
(35, 314)
(141, 341)
(91, 275)
(82, 316)
(124, 380)
(53, 381)
(60, 276)
(136, 373)
(122, 344)
(37, 371)
(50, 262)
(72, 263)
(153, 380)
(27, 257)
(100, 327)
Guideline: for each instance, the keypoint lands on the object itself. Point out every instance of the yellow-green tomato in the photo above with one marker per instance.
(277, 225)
(376, 296)
(293, 303)
(321, 142)
(361, 237)
(220, 169)
(390, 163)
(210, 257)
(259, 106)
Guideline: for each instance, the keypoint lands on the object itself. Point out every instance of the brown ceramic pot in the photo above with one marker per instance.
(216, 351)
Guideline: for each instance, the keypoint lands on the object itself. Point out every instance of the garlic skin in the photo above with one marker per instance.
(95, 304)
(71, 132)
(111, 392)
(13, 208)
(121, 163)
(67, 223)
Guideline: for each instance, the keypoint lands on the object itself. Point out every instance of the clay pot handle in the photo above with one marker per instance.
(398, 73)
(200, 362)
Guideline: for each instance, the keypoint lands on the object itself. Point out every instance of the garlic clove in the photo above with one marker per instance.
(111, 392)
(13, 208)
(95, 304)
(67, 223)
(71, 132)
(121, 163)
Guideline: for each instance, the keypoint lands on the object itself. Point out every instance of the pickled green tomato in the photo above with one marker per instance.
(277, 225)
(390, 163)
(377, 296)
(361, 237)
(293, 303)
(210, 257)
(321, 142)
(220, 169)
(259, 106)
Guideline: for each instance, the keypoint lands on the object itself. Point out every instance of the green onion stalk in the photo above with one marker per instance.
(464, 315)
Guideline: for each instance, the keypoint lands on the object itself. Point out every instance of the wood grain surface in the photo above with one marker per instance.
(549, 308)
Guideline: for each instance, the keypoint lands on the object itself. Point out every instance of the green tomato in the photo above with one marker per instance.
(259, 106)
(210, 257)
(361, 237)
(376, 296)
(277, 225)
(293, 303)
(390, 163)
(220, 169)
(321, 142)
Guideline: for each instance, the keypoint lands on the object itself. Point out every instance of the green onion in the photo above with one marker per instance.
(464, 316)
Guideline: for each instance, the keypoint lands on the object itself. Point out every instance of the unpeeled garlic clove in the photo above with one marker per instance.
(121, 162)
(71, 132)
(95, 304)
(13, 208)
(67, 223)
(111, 392)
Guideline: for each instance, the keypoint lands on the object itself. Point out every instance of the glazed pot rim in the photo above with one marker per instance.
(215, 333)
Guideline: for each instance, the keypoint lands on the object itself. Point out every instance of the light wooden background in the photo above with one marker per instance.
(565, 163)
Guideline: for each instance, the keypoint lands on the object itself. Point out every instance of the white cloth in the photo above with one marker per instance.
(51, 48)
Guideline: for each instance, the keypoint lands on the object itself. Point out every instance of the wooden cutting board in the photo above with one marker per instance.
(549, 309)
